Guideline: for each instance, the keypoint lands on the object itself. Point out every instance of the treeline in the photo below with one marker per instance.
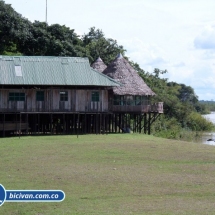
(182, 118)
(19, 36)
(209, 105)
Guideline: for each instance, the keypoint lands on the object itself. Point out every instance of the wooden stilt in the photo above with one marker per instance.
(149, 124)
(19, 125)
(85, 123)
(51, 123)
(100, 123)
(78, 126)
(64, 124)
(115, 123)
(140, 121)
(38, 126)
(145, 123)
(109, 123)
(3, 125)
(27, 123)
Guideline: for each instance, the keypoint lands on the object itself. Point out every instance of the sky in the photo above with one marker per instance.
(178, 36)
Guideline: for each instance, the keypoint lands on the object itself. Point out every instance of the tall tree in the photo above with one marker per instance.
(13, 27)
(97, 45)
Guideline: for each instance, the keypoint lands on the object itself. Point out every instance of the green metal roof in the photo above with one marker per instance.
(41, 70)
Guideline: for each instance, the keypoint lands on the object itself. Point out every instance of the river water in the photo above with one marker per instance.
(210, 135)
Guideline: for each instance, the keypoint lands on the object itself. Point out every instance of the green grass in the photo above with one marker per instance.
(110, 174)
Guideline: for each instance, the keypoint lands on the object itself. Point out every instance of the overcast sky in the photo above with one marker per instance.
(167, 34)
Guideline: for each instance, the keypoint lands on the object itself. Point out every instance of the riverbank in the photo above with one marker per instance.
(110, 174)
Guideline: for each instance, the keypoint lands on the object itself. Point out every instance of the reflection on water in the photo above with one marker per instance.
(209, 138)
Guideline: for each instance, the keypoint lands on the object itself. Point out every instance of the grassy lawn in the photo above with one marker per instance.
(110, 174)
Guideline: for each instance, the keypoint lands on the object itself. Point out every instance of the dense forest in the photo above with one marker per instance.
(182, 109)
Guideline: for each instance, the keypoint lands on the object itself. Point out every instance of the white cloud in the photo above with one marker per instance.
(148, 56)
(180, 64)
(206, 40)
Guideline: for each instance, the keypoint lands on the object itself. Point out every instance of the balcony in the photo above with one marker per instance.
(140, 108)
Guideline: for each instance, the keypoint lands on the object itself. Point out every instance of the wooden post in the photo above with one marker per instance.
(126, 122)
(134, 123)
(99, 123)
(64, 126)
(129, 122)
(112, 122)
(85, 123)
(74, 124)
(78, 126)
(140, 120)
(109, 122)
(4, 125)
(19, 124)
(145, 123)
(104, 125)
(149, 124)
(16, 125)
(38, 127)
(51, 124)
(88, 121)
(27, 123)
(96, 121)
(116, 123)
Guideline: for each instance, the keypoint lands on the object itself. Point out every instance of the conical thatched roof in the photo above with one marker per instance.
(99, 65)
(123, 72)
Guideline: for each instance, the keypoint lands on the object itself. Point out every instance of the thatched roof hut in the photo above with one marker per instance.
(123, 72)
(99, 65)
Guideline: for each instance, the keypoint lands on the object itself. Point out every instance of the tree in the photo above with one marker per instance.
(98, 46)
(13, 27)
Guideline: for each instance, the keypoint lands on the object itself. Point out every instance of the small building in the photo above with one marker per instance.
(133, 97)
(51, 95)
(64, 95)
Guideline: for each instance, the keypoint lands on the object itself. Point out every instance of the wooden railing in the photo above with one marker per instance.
(63, 107)
(91, 107)
(143, 108)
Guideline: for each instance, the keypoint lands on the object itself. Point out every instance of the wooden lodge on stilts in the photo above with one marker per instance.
(64, 95)
(130, 103)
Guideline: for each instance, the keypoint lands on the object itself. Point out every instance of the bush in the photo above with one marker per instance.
(196, 122)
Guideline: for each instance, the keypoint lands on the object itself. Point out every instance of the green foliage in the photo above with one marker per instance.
(11, 51)
(172, 129)
(13, 28)
(199, 123)
(205, 107)
(182, 110)
(98, 46)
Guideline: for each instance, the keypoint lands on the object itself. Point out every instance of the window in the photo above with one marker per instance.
(129, 100)
(116, 100)
(40, 96)
(63, 96)
(18, 71)
(16, 96)
(137, 100)
(95, 96)
(119, 100)
(145, 100)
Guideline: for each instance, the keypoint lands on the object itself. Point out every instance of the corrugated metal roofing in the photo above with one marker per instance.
(42, 70)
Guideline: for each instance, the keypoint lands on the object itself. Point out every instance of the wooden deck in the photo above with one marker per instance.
(154, 108)
(13, 126)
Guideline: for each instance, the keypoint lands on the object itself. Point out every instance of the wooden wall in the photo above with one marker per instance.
(78, 101)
